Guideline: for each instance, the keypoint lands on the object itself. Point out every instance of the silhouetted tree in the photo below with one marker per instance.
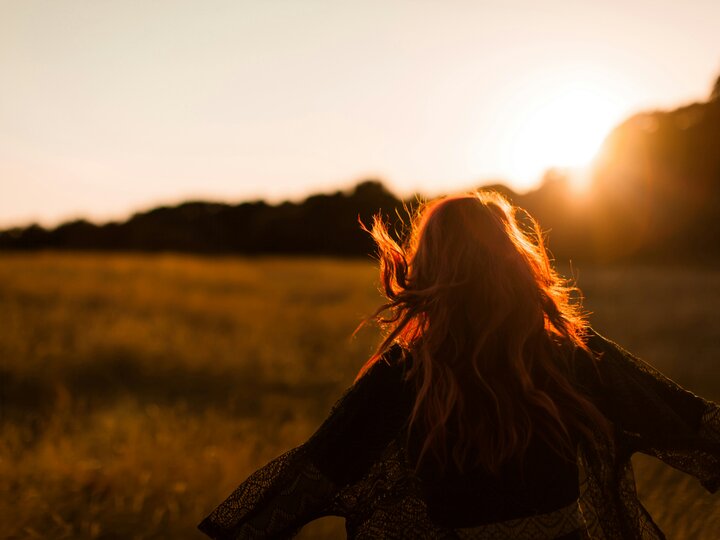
(715, 94)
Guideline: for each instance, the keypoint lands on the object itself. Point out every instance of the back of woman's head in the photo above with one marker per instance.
(490, 328)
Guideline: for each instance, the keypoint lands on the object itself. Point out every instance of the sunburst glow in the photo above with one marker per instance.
(560, 127)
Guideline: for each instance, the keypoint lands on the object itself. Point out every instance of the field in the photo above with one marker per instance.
(137, 391)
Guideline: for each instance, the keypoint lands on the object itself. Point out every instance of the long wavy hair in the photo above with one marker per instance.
(491, 330)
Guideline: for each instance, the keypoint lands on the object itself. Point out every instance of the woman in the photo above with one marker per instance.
(490, 410)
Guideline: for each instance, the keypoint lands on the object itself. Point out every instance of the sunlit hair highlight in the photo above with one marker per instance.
(491, 330)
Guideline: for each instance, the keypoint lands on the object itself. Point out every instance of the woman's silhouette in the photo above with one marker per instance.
(490, 410)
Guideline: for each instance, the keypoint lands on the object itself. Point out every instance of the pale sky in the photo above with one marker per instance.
(109, 107)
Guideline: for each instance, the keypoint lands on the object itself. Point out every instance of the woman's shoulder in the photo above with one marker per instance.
(602, 370)
(392, 364)
(600, 354)
(383, 383)
(612, 363)
(602, 346)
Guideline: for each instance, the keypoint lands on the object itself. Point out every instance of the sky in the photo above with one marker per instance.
(110, 107)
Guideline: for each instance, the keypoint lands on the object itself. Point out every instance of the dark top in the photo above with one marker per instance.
(356, 466)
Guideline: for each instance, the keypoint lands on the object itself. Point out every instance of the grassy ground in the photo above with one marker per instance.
(137, 391)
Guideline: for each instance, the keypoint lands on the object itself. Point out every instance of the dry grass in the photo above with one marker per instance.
(137, 391)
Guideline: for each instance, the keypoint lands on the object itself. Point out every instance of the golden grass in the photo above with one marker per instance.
(137, 391)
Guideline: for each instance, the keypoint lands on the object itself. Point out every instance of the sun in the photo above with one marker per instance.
(561, 127)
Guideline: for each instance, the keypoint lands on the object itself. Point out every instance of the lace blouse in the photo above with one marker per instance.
(356, 466)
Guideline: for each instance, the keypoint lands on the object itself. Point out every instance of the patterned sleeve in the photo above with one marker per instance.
(273, 502)
(302, 484)
(655, 415)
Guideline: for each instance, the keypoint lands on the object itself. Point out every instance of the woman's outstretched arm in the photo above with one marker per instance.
(657, 416)
(302, 484)
(274, 501)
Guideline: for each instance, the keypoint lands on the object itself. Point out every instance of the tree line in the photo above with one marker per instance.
(654, 194)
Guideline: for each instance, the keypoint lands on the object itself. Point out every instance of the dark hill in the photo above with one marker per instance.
(657, 184)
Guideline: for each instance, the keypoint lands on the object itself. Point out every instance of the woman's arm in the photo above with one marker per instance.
(656, 415)
(274, 501)
(301, 485)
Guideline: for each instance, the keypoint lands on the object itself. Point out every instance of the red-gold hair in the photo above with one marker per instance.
(491, 329)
